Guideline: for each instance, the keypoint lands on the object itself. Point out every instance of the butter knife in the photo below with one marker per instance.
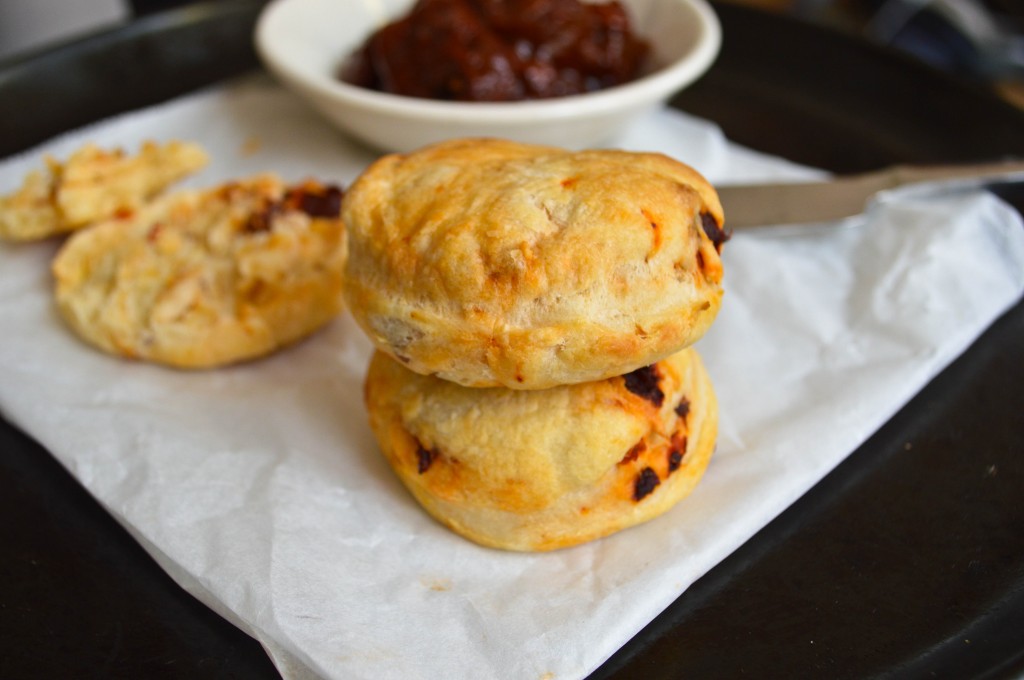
(756, 205)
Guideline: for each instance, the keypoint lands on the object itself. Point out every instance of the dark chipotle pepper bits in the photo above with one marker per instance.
(643, 382)
(676, 451)
(316, 201)
(262, 220)
(310, 198)
(717, 235)
(634, 452)
(675, 459)
(645, 483)
(424, 458)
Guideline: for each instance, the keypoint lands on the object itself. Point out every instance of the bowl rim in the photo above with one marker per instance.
(643, 90)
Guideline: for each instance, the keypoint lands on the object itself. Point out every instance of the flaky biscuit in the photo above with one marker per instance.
(489, 262)
(94, 184)
(203, 278)
(545, 469)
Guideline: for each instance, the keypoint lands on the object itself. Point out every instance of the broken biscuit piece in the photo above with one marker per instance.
(93, 185)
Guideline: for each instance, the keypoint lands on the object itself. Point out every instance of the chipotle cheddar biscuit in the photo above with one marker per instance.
(490, 263)
(546, 469)
(94, 184)
(198, 279)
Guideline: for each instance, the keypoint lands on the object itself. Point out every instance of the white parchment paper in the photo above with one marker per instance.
(260, 490)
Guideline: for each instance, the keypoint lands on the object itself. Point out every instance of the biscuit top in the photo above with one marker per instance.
(490, 262)
(203, 278)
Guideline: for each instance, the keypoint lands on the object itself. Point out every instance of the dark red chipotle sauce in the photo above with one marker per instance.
(500, 50)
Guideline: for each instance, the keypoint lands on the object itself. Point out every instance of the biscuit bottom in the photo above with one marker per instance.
(545, 469)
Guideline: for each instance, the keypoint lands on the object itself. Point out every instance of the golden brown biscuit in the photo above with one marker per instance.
(489, 262)
(93, 185)
(203, 278)
(545, 469)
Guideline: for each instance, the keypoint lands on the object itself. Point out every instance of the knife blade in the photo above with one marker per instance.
(754, 205)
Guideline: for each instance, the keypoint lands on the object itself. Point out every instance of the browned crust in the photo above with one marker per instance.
(645, 478)
(492, 263)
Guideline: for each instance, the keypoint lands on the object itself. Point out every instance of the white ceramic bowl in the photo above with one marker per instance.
(303, 43)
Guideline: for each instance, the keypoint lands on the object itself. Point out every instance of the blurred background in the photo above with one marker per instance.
(978, 40)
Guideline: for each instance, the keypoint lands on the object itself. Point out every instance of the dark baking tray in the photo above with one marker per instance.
(906, 561)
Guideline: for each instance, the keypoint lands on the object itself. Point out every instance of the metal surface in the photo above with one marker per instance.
(906, 561)
(757, 205)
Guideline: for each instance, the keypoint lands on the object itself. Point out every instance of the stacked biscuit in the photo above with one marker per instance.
(533, 311)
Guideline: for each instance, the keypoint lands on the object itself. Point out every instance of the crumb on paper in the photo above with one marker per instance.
(439, 585)
(251, 146)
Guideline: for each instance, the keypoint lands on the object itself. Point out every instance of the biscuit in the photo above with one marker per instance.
(93, 185)
(198, 279)
(545, 469)
(490, 263)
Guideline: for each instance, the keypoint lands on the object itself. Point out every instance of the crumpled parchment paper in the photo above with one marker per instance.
(260, 490)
